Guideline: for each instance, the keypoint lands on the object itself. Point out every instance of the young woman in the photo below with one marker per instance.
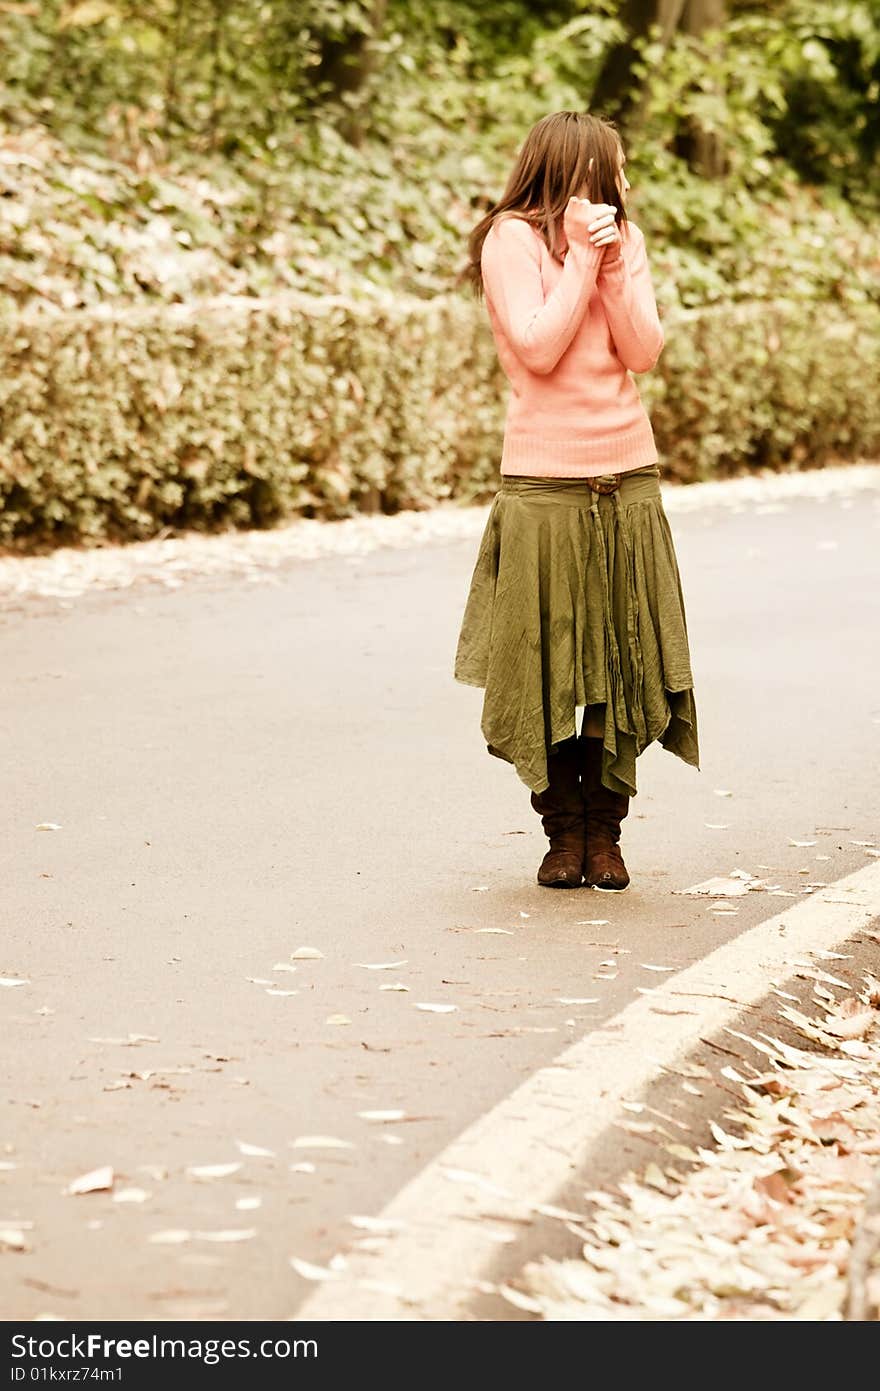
(575, 601)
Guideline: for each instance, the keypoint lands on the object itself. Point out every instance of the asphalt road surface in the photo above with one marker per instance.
(240, 770)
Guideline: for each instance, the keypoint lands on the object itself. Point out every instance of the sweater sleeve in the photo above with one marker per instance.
(538, 329)
(627, 294)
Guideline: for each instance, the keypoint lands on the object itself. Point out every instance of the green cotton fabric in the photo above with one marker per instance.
(575, 600)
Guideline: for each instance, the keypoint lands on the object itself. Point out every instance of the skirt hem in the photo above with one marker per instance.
(668, 739)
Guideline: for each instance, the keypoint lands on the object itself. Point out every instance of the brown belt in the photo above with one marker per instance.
(604, 482)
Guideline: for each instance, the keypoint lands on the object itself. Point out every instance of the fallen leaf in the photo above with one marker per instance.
(321, 1142)
(254, 1151)
(561, 1214)
(727, 1141)
(468, 1176)
(211, 1171)
(655, 1177)
(520, 1300)
(132, 1041)
(853, 1022)
(381, 965)
(227, 1235)
(13, 1239)
(723, 887)
(306, 954)
(377, 1224)
(144, 1074)
(437, 1009)
(312, 1272)
(682, 1152)
(95, 1181)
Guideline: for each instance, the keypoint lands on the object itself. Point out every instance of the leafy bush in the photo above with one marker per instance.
(115, 425)
(139, 164)
(183, 185)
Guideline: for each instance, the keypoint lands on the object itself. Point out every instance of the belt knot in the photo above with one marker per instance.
(604, 482)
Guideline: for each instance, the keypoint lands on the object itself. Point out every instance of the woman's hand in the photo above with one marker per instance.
(592, 224)
(604, 231)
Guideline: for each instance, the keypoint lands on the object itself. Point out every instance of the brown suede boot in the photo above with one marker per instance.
(603, 812)
(561, 809)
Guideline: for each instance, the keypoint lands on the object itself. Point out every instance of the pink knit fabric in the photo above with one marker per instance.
(568, 337)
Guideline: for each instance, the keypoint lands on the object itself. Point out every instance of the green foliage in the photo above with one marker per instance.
(177, 176)
(170, 149)
(323, 217)
(192, 70)
(116, 425)
(769, 385)
(813, 73)
(235, 413)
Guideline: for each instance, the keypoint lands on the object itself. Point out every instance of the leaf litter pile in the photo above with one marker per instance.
(780, 1220)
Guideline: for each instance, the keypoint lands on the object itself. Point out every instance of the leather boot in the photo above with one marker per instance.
(603, 812)
(561, 809)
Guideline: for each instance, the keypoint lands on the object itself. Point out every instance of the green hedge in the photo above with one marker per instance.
(118, 423)
(785, 384)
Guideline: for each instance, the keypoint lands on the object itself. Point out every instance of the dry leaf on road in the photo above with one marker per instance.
(95, 1181)
(321, 1142)
(212, 1171)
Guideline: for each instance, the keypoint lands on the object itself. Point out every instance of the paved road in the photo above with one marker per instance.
(242, 769)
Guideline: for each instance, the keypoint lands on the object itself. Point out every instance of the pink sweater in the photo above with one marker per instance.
(567, 338)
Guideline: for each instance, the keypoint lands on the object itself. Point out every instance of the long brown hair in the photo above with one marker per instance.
(553, 164)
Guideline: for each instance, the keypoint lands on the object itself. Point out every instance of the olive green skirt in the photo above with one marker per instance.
(576, 600)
